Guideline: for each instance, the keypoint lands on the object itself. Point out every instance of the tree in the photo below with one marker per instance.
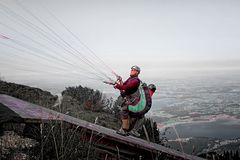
(91, 99)
(236, 156)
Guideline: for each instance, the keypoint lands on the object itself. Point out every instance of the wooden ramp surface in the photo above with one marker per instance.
(33, 113)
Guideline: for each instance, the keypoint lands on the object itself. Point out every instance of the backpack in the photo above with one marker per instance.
(145, 102)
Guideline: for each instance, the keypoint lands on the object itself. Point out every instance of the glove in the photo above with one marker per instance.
(119, 78)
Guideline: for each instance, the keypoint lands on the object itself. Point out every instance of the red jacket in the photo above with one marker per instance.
(130, 86)
(151, 92)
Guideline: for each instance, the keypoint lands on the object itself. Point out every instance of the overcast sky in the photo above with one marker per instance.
(161, 36)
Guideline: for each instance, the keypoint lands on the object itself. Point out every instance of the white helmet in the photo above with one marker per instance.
(136, 68)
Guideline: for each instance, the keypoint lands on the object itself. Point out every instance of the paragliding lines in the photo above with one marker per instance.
(43, 42)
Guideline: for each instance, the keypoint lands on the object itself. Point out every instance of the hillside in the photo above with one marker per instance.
(80, 102)
(30, 94)
(68, 104)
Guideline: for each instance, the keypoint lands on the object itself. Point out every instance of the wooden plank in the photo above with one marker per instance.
(34, 112)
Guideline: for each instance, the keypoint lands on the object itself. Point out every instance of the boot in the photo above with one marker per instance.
(124, 129)
(134, 133)
(123, 132)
